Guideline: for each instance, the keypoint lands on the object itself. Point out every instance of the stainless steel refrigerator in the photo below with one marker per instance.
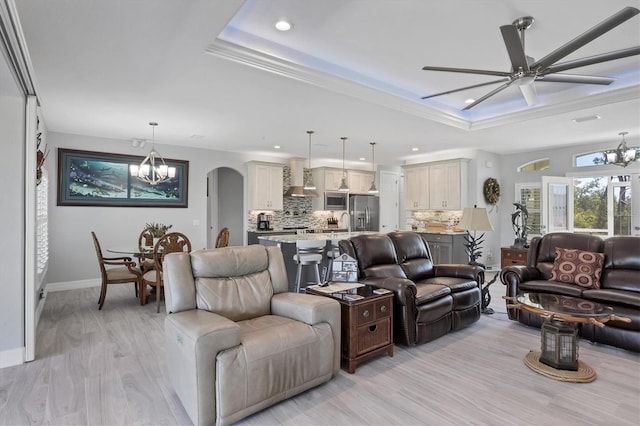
(364, 211)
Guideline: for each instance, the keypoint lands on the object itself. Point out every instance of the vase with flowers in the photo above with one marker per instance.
(157, 230)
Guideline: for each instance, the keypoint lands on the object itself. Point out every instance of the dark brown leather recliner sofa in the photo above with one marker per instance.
(429, 300)
(619, 284)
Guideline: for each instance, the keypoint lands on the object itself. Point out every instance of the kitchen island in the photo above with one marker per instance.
(287, 244)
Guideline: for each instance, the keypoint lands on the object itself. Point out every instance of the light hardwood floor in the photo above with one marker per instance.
(107, 367)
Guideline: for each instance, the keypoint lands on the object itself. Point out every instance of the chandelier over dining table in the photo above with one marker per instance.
(153, 169)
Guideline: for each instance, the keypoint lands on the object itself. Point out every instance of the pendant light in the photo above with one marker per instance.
(153, 170)
(308, 183)
(621, 156)
(373, 189)
(343, 184)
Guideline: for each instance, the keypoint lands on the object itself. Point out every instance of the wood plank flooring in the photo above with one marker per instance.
(108, 368)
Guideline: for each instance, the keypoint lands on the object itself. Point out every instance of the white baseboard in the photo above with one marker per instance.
(11, 357)
(73, 285)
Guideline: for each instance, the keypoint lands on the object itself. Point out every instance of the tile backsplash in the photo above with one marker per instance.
(419, 218)
(297, 211)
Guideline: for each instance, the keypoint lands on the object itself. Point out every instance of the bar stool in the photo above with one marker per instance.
(308, 253)
(332, 253)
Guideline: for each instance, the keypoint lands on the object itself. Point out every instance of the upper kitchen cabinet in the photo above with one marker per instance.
(436, 186)
(416, 186)
(265, 186)
(326, 179)
(359, 181)
(448, 185)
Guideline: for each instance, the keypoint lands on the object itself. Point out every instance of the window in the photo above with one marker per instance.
(529, 195)
(602, 205)
(42, 227)
(532, 166)
(597, 158)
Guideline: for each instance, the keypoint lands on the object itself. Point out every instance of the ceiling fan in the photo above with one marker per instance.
(525, 70)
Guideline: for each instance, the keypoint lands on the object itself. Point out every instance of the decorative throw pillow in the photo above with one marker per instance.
(577, 267)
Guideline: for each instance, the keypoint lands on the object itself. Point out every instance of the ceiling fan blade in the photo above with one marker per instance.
(529, 93)
(465, 88)
(468, 71)
(574, 78)
(488, 95)
(586, 37)
(514, 47)
(596, 59)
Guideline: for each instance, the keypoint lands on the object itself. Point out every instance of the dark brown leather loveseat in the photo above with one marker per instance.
(619, 283)
(429, 300)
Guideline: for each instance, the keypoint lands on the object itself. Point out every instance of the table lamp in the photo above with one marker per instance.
(474, 219)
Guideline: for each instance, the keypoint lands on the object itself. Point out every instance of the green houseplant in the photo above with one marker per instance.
(157, 230)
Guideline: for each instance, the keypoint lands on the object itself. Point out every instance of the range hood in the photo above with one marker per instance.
(297, 180)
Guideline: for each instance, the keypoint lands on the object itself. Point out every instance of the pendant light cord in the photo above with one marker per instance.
(343, 151)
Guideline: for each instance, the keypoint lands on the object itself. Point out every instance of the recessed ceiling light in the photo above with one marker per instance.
(361, 158)
(469, 101)
(415, 149)
(276, 146)
(587, 118)
(283, 25)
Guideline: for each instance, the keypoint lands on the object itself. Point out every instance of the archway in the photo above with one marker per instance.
(225, 205)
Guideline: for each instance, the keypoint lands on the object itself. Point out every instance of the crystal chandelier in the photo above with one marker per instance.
(343, 184)
(621, 156)
(153, 170)
(308, 184)
(373, 189)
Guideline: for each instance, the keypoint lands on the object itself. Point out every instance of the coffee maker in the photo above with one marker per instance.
(264, 222)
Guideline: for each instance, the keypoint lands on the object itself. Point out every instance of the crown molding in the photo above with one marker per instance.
(359, 90)
(376, 92)
(606, 98)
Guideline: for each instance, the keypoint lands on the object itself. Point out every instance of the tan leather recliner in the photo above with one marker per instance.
(236, 340)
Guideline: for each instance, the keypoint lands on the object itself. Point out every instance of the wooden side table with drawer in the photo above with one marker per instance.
(513, 256)
(367, 324)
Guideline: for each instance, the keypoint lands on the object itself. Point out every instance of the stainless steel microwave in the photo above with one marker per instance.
(336, 200)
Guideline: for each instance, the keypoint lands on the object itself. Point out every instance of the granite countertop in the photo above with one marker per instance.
(318, 236)
(293, 231)
(442, 232)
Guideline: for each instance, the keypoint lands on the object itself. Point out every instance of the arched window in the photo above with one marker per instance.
(535, 165)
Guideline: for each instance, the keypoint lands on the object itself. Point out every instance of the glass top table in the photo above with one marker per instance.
(566, 308)
(558, 358)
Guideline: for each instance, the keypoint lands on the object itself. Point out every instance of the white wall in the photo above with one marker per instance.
(12, 136)
(561, 163)
(483, 166)
(73, 257)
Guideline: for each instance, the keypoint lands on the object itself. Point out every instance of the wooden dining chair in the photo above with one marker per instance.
(169, 243)
(223, 238)
(115, 270)
(145, 240)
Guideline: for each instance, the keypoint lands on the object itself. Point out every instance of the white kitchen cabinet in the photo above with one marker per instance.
(436, 186)
(446, 185)
(265, 182)
(359, 181)
(326, 179)
(416, 186)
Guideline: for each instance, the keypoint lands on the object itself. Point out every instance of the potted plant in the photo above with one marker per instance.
(157, 230)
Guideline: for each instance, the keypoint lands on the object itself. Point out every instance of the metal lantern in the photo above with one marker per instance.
(560, 345)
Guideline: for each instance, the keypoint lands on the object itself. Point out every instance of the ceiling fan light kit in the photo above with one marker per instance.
(525, 70)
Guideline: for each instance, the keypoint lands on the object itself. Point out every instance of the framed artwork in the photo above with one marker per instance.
(88, 178)
(345, 269)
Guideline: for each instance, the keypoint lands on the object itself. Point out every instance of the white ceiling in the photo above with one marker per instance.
(216, 74)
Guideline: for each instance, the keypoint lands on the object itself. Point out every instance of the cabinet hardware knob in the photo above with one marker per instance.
(365, 314)
(383, 308)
